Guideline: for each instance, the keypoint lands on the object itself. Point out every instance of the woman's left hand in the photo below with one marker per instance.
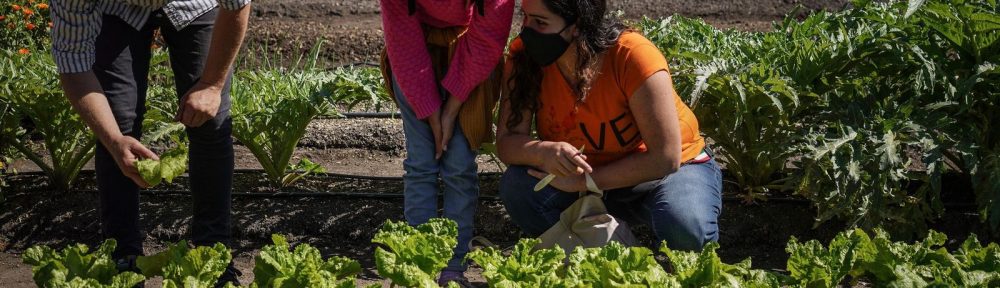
(569, 184)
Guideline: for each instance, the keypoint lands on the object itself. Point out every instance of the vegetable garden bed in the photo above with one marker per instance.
(344, 226)
(886, 113)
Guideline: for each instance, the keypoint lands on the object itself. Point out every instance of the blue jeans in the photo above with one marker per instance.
(682, 208)
(457, 169)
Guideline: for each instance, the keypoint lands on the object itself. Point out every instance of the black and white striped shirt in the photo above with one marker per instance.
(76, 23)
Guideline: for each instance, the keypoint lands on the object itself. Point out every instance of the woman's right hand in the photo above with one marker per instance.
(562, 159)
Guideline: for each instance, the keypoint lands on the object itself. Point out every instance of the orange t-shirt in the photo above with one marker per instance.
(604, 123)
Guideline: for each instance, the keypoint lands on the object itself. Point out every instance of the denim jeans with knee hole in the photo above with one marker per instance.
(682, 208)
(457, 169)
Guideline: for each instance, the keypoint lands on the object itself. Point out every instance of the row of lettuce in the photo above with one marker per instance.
(862, 111)
(409, 256)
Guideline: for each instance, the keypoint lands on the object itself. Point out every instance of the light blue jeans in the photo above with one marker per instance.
(457, 169)
(682, 208)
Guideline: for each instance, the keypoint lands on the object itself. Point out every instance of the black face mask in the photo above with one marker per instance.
(544, 49)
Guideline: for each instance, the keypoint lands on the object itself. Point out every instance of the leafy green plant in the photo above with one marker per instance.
(852, 107)
(524, 267)
(301, 170)
(926, 263)
(964, 42)
(182, 266)
(706, 269)
(75, 266)
(279, 266)
(29, 85)
(7, 151)
(812, 264)
(745, 102)
(615, 265)
(415, 255)
(272, 108)
(901, 97)
(158, 122)
(172, 163)
(357, 86)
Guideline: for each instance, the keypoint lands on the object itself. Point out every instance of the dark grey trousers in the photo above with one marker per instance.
(122, 67)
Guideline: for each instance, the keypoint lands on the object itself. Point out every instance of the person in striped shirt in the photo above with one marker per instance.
(102, 52)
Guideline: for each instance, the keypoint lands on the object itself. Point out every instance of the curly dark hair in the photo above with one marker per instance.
(597, 31)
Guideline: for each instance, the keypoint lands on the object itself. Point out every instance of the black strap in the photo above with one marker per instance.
(480, 6)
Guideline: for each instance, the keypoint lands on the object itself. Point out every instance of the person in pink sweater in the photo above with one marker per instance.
(430, 91)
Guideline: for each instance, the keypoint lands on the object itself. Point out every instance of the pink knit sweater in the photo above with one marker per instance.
(477, 53)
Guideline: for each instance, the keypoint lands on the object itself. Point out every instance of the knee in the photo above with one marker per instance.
(515, 182)
(690, 234)
(459, 165)
(686, 226)
(523, 205)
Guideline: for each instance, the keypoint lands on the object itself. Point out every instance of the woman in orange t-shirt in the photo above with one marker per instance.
(586, 81)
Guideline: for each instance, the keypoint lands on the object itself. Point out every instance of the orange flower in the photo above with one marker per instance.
(15, 7)
(42, 6)
(3, 17)
(23, 51)
(30, 26)
(28, 12)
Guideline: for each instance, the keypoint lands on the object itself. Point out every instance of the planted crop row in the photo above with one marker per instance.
(412, 257)
(861, 111)
(851, 109)
(271, 109)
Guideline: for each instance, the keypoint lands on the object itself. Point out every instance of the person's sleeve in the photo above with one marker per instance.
(233, 4)
(75, 26)
(639, 59)
(478, 51)
(408, 56)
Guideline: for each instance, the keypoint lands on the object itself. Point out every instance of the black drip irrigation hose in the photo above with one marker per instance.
(355, 64)
(364, 195)
(375, 115)
(279, 195)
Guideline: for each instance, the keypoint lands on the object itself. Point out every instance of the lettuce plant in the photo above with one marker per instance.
(182, 266)
(76, 266)
(278, 266)
(413, 256)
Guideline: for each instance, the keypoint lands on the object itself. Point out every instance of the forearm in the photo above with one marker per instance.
(230, 29)
(635, 169)
(87, 97)
(520, 149)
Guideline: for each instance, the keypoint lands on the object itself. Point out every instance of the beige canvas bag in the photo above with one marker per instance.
(587, 223)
